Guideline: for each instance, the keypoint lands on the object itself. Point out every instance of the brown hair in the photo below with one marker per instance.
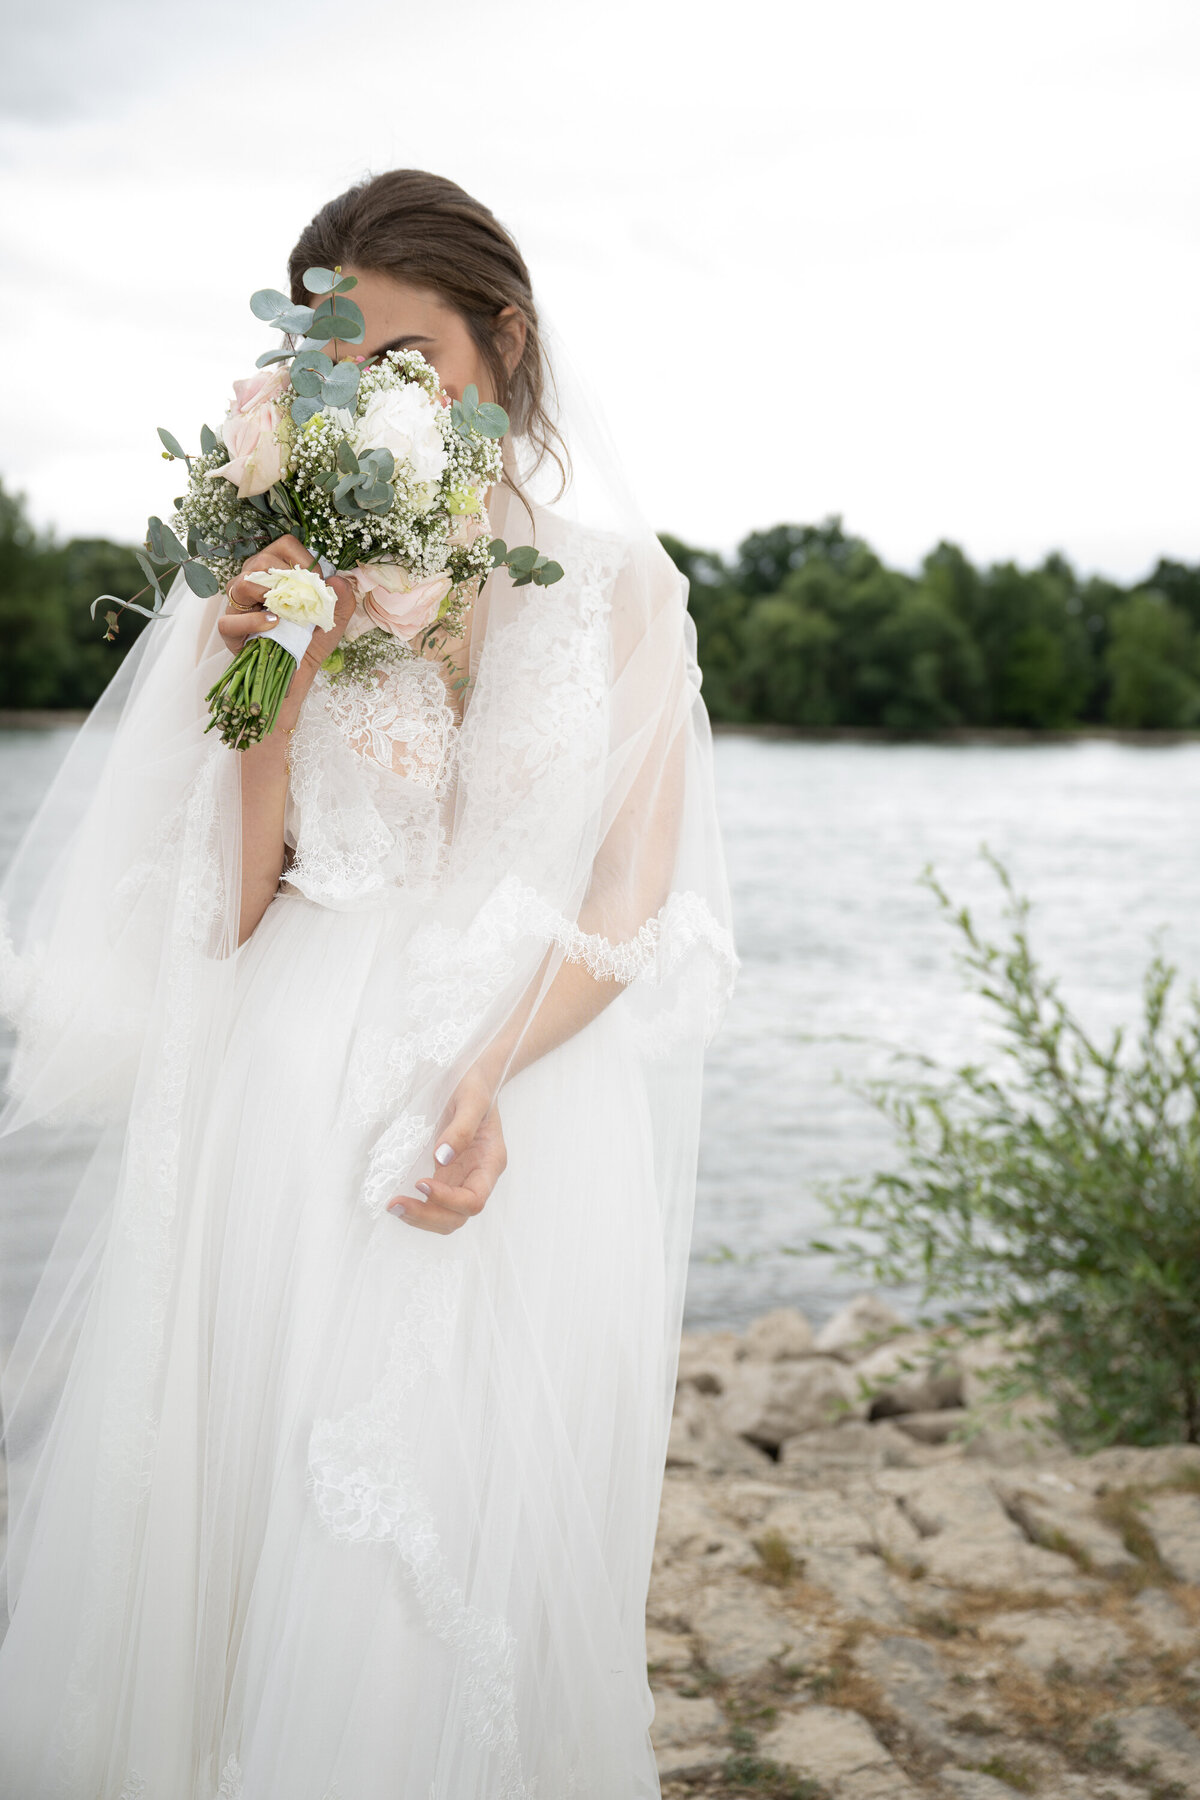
(428, 230)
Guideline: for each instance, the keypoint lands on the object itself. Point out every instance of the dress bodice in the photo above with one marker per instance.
(372, 784)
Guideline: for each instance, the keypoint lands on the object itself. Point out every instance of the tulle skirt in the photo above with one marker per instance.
(379, 1526)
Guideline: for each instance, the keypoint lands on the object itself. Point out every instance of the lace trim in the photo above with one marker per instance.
(362, 1480)
(456, 975)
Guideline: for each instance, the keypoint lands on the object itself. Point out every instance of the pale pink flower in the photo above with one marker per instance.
(395, 602)
(251, 433)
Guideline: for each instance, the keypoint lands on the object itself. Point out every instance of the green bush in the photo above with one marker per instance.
(1057, 1201)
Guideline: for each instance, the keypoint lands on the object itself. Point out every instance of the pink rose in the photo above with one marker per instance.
(399, 605)
(251, 433)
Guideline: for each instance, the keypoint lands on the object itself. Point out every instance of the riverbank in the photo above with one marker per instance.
(35, 718)
(867, 1586)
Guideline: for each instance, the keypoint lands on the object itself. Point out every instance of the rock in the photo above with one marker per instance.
(970, 1784)
(1055, 1512)
(1122, 1464)
(706, 1360)
(775, 1336)
(679, 1721)
(1164, 1621)
(667, 1650)
(931, 1427)
(689, 1530)
(768, 1402)
(855, 1326)
(1083, 1642)
(836, 1747)
(1174, 1522)
(970, 1540)
(690, 1762)
(917, 1687)
(910, 1374)
(698, 1440)
(854, 1444)
(742, 1628)
(1155, 1732)
(860, 1585)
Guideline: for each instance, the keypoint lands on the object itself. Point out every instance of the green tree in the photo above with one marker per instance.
(1151, 660)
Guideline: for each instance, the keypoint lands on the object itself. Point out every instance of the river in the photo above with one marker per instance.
(846, 957)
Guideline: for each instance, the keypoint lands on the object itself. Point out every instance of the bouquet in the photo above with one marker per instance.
(378, 473)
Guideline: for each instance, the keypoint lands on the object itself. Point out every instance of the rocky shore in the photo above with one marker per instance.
(853, 1599)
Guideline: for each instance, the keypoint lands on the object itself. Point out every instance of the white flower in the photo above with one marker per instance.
(404, 420)
(298, 594)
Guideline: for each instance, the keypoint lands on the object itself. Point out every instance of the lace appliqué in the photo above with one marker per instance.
(372, 770)
(362, 1479)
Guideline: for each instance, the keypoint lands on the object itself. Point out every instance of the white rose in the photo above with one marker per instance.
(298, 594)
(404, 421)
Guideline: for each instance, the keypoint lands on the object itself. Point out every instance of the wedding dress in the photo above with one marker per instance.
(306, 1503)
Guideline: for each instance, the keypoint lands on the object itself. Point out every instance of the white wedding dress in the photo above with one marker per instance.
(310, 1504)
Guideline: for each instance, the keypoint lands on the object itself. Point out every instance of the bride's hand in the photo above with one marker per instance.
(471, 1127)
(236, 628)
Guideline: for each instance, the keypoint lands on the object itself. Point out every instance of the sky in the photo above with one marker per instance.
(930, 266)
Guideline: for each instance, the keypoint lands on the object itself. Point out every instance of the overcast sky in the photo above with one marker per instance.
(932, 266)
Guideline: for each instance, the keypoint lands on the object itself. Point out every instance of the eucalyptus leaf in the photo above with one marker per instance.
(491, 421)
(342, 385)
(303, 410)
(271, 356)
(172, 445)
(345, 284)
(202, 581)
(320, 281)
(499, 550)
(470, 399)
(547, 573)
(309, 382)
(347, 462)
(171, 544)
(293, 319)
(209, 440)
(268, 303)
(521, 559)
(154, 538)
(346, 505)
(148, 571)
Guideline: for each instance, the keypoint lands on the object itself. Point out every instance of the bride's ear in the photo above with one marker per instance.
(511, 330)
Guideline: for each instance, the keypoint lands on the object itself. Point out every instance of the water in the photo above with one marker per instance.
(846, 956)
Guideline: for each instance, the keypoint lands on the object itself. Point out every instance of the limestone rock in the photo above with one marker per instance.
(690, 1531)
(1054, 1511)
(1174, 1521)
(706, 1360)
(1156, 1732)
(679, 1721)
(669, 1651)
(855, 1326)
(1083, 1642)
(970, 1540)
(836, 1747)
(860, 1585)
(698, 1440)
(854, 1444)
(776, 1336)
(909, 1374)
(742, 1627)
(768, 1402)
(931, 1427)
(1164, 1621)
(915, 1684)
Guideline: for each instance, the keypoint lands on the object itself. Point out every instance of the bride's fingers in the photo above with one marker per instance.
(235, 627)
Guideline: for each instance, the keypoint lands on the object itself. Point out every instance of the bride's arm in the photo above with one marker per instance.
(263, 766)
(631, 879)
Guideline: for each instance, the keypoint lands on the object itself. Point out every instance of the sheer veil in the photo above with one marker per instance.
(579, 831)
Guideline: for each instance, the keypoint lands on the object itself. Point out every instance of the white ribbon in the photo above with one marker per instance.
(294, 636)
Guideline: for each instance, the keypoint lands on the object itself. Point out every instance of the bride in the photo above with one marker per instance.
(349, 1155)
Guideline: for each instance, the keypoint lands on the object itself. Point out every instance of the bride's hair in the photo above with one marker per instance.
(426, 229)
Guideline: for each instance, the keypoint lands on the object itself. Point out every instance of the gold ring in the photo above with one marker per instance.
(233, 605)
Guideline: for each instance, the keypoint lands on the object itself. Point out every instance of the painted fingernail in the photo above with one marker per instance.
(422, 1187)
(271, 616)
(397, 1212)
(443, 1153)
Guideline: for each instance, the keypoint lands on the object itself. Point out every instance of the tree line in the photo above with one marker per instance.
(805, 625)
(802, 625)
